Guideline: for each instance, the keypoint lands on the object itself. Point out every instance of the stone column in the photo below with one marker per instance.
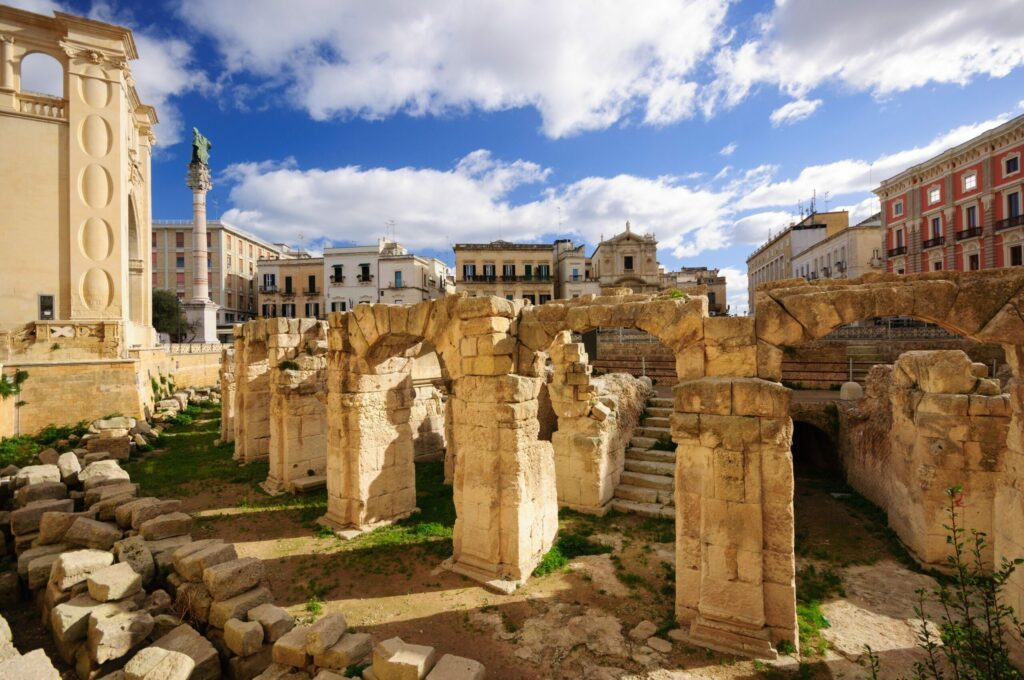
(1009, 500)
(6, 62)
(227, 395)
(201, 311)
(735, 574)
(252, 399)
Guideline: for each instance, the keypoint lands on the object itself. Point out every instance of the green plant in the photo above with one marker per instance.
(288, 366)
(54, 347)
(677, 294)
(11, 385)
(180, 419)
(155, 385)
(567, 547)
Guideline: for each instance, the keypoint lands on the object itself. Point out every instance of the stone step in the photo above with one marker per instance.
(651, 454)
(659, 482)
(659, 411)
(660, 402)
(653, 432)
(638, 442)
(307, 484)
(656, 421)
(643, 509)
(638, 494)
(651, 467)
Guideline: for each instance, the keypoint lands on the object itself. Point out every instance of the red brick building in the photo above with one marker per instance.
(960, 210)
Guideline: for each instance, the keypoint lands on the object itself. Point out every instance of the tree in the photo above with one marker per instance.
(168, 314)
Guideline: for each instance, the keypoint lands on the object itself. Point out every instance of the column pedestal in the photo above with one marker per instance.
(202, 319)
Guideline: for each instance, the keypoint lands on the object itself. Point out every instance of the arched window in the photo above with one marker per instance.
(42, 74)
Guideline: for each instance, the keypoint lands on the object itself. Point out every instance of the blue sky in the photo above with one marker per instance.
(703, 121)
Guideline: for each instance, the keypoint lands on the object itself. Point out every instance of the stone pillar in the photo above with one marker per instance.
(735, 574)
(6, 62)
(1009, 500)
(252, 399)
(200, 310)
(227, 395)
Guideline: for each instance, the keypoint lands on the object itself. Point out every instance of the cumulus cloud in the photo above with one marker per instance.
(582, 65)
(802, 44)
(794, 111)
(735, 289)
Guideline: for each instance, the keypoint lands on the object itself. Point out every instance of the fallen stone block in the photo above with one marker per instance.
(165, 526)
(238, 607)
(233, 577)
(76, 566)
(69, 467)
(123, 514)
(102, 472)
(106, 509)
(148, 512)
(394, 659)
(192, 564)
(115, 423)
(48, 456)
(105, 491)
(154, 663)
(351, 649)
(35, 665)
(290, 648)
(194, 599)
(243, 637)
(325, 633)
(53, 525)
(26, 557)
(69, 621)
(451, 667)
(133, 551)
(36, 474)
(26, 520)
(113, 634)
(187, 641)
(115, 582)
(249, 667)
(90, 533)
(40, 491)
(158, 602)
(168, 544)
(274, 620)
(39, 569)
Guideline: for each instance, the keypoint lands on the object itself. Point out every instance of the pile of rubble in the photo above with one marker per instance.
(166, 409)
(128, 595)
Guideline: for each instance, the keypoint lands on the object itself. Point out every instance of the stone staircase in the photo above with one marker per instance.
(648, 481)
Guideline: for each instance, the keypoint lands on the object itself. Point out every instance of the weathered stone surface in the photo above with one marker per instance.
(451, 667)
(117, 488)
(237, 607)
(185, 640)
(35, 665)
(39, 571)
(69, 467)
(351, 649)
(643, 630)
(274, 620)
(39, 491)
(324, 633)
(123, 513)
(100, 473)
(227, 579)
(90, 533)
(69, 621)
(154, 663)
(134, 552)
(142, 514)
(26, 520)
(36, 474)
(194, 599)
(190, 564)
(290, 648)
(166, 526)
(75, 567)
(53, 526)
(25, 558)
(114, 582)
(112, 634)
(248, 667)
(243, 637)
(394, 659)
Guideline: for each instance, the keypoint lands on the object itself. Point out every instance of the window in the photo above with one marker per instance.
(312, 283)
(627, 263)
(1016, 256)
(288, 286)
(364, 272)
(45, 307)
(229, 263)
(288, 310)
(398, 279)
(545, 298)
(468, 272)
(711, 297)
(489, 271)
(1013, 204)
(897, 208)
(179, 239)
(268, 281)
(337, 276)
(154, 259)
(230, 300)
(508, 271)
(936, 227)
(974, 262)
(229, 240)
(575, 274)
(179, 279)
(250, 250)
(1012, 164)
(337, 306)
(527, 271)
(543, 272)
(934, 195)
(530, 298)
(313, 310)
(937, 266)
(970, 181)
(154, 279)
(899, 238)
(971, 217)
(208, 239)
(154, 239)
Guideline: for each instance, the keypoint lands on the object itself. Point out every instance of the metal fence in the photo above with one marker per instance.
(194, 347)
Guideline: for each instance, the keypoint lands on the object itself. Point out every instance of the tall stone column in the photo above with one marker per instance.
(200, 310)
(6, 63)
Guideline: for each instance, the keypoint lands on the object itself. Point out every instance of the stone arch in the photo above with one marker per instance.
(136, 267)
(41, 72)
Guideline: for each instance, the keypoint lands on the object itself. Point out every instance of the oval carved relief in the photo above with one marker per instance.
(96, 239)
(96, 289)
(94, 91)
(95, 186)
(94, 136)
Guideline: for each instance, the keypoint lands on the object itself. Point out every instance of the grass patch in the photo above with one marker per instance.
(810, 622)
(23, 449)
(813, 586)
(567, 547)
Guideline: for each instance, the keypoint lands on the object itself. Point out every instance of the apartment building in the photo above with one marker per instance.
(572, 271)
(961, 209)
(699, 280)
(292, 288)
(385, 272)
(232, 260)
(508, 270)
(773, 261)
(846, 254)
(627, 260)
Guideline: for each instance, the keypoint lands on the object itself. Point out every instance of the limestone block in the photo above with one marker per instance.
(35, 665)
(114, 582)
(26, 520)
(325, 633)
(351, 649)
(39, 491)
(230, 578)
(248, 667)
(936, 371)
(394, 659)
(154, 663)
(290, 648)
(754, 397)
(69, 467)
(69, 621)
(123, 513)
(195, 599)
(39, 571)
(988, 387)
(451, 667)
(90, 533)
(133, 551)
(243, 637)
(191, 564)
(980, 405)
(185, 640)
(112, 634)
(274, 620)
(106, 509)
(705, 396)
(53, 525)
(165, 526)
(36, 474)
(100, 472)
(74, 567)
(25, 558)
(238, 606)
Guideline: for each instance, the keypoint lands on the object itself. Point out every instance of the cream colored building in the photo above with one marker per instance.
(292, 288)
(406, 278)
(699, 281)
(846, 254)
(232, 256)
(572, 271)
(75, 172)
(508, 270)
(628, 260)
(773, 261)
(385, 272)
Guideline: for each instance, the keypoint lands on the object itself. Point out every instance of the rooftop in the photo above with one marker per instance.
(503, 245)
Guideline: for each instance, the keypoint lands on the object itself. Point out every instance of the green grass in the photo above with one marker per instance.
(813, 586)
(567, 547)
(21, 450)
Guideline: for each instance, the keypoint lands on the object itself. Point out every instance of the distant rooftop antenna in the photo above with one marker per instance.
(814, 201)
(828, 198)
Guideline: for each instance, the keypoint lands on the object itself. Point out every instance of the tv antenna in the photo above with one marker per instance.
(827, 196)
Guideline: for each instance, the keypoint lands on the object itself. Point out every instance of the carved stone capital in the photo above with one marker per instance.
(986, 201)
(198, 178)
(5, 38)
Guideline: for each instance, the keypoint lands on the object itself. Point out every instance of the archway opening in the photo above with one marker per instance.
(42, 74)
(815, 454)
(633, 351)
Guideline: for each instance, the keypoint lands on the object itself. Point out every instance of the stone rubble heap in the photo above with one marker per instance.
(165, 409)
(128, 595)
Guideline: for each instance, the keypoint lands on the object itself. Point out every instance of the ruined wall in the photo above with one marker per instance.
(227, 395)
(252, 392)
(1009, 498)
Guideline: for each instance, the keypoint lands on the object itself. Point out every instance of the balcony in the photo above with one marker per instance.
(933, 242)
(337, 279)
(397, 284)
(287, 292)
(311, 292)
(1010, 222)
(268, 290)
(898, 250)
(972, 232)
(364, 279)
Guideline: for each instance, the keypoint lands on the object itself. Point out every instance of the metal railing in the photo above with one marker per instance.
(266, 290)
(337, 279)
(193, 347)
(933, 242)
(898, 250)
(970, 232)
(364, 279)
(1010, 222)
(311, 291)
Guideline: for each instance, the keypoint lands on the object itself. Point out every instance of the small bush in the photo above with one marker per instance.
(180, 419)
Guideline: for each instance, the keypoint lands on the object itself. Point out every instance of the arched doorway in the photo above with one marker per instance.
(815, 453)
(136, 270)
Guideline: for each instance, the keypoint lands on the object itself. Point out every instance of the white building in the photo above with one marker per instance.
(385, 272)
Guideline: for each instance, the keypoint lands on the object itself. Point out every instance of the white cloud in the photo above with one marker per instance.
(794, 111)
(877, 46)
(735, 289)
(582, 65)
(756, 229)
(728, 149)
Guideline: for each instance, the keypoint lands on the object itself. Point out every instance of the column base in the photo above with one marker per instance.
(483, 575)
(202, 319)
(272, 486)
(347, 531)
(729, 639)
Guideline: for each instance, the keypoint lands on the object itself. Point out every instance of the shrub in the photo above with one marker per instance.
(180, 419)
